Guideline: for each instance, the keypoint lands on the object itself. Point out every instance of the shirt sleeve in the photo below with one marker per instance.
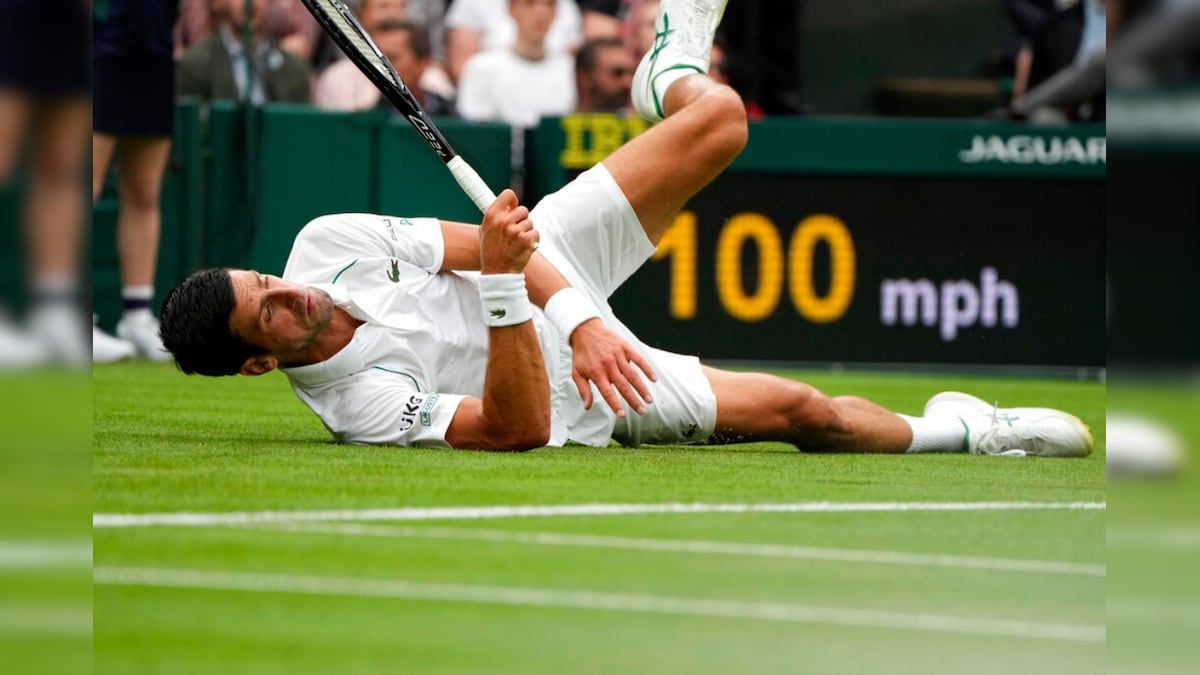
(382, 408)
(334, 240)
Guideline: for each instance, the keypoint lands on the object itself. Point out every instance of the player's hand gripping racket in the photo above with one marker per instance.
(340, 23)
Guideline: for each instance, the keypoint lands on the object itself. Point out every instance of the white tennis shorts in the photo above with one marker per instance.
(590, 233)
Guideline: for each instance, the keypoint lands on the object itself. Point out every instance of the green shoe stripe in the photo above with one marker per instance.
(967, 437)
(654, 92)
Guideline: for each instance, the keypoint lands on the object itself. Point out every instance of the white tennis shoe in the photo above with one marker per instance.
(683, 41)
(109, 349)
(19, 349)
(1044, 432)
(141, 330)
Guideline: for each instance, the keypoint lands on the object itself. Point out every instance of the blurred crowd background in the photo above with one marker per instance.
(123, 64)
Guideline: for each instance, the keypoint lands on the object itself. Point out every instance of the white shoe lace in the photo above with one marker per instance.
(693, 27)
(699, 24)
(1007, 442)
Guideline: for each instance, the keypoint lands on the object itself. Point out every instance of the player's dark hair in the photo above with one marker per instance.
(418, 37)
(585, 59)
(195, 325)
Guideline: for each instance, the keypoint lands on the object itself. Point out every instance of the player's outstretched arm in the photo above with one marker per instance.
(599, 355)
(514, 413)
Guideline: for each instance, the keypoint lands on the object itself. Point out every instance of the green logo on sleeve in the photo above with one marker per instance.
(499, 313)
(394, 275)
(428, 408)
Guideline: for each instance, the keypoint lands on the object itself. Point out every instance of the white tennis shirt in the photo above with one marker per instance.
(423, 348)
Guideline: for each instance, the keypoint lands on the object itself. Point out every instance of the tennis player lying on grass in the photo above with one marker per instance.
(419, 332)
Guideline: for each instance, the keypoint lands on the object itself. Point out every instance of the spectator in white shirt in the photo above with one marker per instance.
(523, 83)
(474, 26)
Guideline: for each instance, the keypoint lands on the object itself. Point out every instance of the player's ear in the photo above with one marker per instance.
(259, 365)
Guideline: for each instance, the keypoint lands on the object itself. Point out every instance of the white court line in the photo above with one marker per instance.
(1179, 615)
(700, 546)
(593, 600)
(42, 555)
(36, 620)
(1158, 537)
(529, 511)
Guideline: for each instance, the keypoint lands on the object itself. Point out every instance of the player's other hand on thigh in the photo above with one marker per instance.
(506, 238)
(605, 358)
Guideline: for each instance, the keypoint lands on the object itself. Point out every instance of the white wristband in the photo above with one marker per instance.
(567, 309)
(505, 302)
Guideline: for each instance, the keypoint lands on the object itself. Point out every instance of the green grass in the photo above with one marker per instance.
(167, 443)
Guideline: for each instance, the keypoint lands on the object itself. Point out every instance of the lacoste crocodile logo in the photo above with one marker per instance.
(394, 275)
(499, 313)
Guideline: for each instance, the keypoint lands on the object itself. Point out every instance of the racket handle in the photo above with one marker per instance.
(471, 183)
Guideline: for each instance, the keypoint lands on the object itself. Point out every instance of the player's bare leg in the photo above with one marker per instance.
(705, 122)
(760, 407)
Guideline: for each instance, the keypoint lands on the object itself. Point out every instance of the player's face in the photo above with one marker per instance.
(279, 316)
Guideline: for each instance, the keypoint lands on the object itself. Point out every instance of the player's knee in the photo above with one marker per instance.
(726, 114)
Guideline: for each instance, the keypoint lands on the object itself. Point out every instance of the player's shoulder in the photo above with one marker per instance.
(331, 223)
(338, 226)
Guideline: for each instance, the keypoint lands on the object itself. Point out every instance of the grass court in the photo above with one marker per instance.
(232, 536)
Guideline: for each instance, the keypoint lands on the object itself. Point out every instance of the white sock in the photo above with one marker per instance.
(137, 301)
(666, 79)
(54, 289)
(937, 434)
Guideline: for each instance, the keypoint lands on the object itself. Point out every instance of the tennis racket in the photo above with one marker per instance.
(343, 27)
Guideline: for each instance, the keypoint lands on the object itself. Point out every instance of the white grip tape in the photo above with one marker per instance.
(505, 302)
(471, 183)
(567, 309)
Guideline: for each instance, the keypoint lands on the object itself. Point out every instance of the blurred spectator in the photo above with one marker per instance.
(630, 20)
(1148, 39)
(216, 67)
(44, 96)
(431, 15)
(1048, 34)
(370, 14)
(603, 75)
(288, 22)
(474, 26)
(343, 87)
(638, 26)
(1027, 17)
(602, 18)
(520, 84)
(134, 94)
(1095, 30)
